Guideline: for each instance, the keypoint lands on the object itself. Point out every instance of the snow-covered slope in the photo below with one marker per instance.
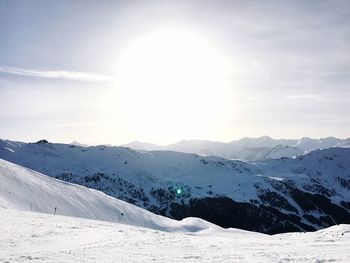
(305, 193)
(78, 144)
(33, 237)
(261, 148)
(344, 143)
(27, 190)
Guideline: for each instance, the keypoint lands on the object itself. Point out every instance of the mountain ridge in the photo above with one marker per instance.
(304, 193)
(247, 148)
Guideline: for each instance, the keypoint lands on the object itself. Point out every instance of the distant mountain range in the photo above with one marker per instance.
(305, 193)
(248, 149)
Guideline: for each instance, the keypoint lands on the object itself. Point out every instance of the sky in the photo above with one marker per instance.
(161, 71)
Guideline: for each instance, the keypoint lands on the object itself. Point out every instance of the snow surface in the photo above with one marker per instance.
(35, 237)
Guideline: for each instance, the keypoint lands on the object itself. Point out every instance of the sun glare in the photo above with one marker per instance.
(171, 83)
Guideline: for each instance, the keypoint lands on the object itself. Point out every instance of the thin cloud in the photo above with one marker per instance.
(55, 74)
(65, 125)
(258, 67)
(337, 121)
(305, 96)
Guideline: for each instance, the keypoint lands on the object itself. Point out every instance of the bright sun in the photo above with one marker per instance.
(171, 85)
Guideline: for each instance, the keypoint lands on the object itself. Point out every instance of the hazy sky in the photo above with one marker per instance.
(161, 71)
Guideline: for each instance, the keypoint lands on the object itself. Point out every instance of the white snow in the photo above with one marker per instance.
(34, 237)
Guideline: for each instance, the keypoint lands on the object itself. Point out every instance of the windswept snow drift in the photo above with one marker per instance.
(25, 189)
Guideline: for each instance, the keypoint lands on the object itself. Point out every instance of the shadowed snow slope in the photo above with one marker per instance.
(34, 237)
(25, 189)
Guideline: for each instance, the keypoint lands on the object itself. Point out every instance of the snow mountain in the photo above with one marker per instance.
(249, 149)
(77, 238)
(305, 193)
(26, 190)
